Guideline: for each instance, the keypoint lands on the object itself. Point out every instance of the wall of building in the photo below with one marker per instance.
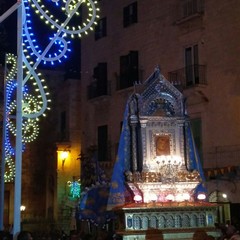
(161, 36)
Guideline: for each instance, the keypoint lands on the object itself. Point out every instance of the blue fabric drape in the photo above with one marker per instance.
(118, 192)
(194, 159)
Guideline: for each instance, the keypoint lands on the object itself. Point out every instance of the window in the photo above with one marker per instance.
(99, 86)
(100, 76)
(130, 14)
(128, 70)
(196, 125)
(101, 29)
(192, 74)
(103, 143)
(191, 65)
(191, 7)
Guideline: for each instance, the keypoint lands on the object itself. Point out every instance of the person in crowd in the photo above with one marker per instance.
(4, 235)
(233, 234)
(24, 235)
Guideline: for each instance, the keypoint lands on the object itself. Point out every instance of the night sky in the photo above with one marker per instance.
(8, 42)
(8, 38)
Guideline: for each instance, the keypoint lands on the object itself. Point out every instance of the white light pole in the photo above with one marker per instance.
(18, 151)
(18, 156)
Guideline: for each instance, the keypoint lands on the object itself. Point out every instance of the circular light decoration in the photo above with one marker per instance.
(30, 130)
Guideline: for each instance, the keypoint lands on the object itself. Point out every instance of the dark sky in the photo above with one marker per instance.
(8, 38)
(8, 41)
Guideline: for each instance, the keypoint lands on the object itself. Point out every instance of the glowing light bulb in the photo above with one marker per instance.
(137, 198)
(201, 196)
(170, 197)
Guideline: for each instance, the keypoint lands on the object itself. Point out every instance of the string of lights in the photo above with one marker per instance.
(35, 101)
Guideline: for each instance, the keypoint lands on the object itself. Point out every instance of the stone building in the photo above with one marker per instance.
(47, 174)
(195, 44)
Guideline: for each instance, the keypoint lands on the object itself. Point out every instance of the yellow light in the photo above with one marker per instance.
(64, 155)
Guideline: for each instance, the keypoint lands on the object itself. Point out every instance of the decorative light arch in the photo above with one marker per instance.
(35, 101)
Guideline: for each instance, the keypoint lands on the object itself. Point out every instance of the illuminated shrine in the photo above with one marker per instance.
(157, 187)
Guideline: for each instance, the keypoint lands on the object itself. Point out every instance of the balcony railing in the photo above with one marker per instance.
(188, 77)
(96, 90)
(189, 9)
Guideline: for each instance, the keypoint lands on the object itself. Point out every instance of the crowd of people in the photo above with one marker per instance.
(58, 235)
(227, 232)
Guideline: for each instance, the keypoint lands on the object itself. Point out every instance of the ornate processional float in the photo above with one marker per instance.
(157, 187)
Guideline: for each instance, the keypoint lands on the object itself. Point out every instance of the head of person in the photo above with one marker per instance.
(4, 235)
(24, 235)
(231, 230)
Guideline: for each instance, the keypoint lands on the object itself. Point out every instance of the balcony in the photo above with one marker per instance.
(190, 9)
(97, 90)
(189, 76)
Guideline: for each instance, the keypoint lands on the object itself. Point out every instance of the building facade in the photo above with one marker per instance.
(51, 164)
(195, 44)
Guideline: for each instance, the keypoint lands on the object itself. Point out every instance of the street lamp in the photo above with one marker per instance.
(22, 209)
(63, 157)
